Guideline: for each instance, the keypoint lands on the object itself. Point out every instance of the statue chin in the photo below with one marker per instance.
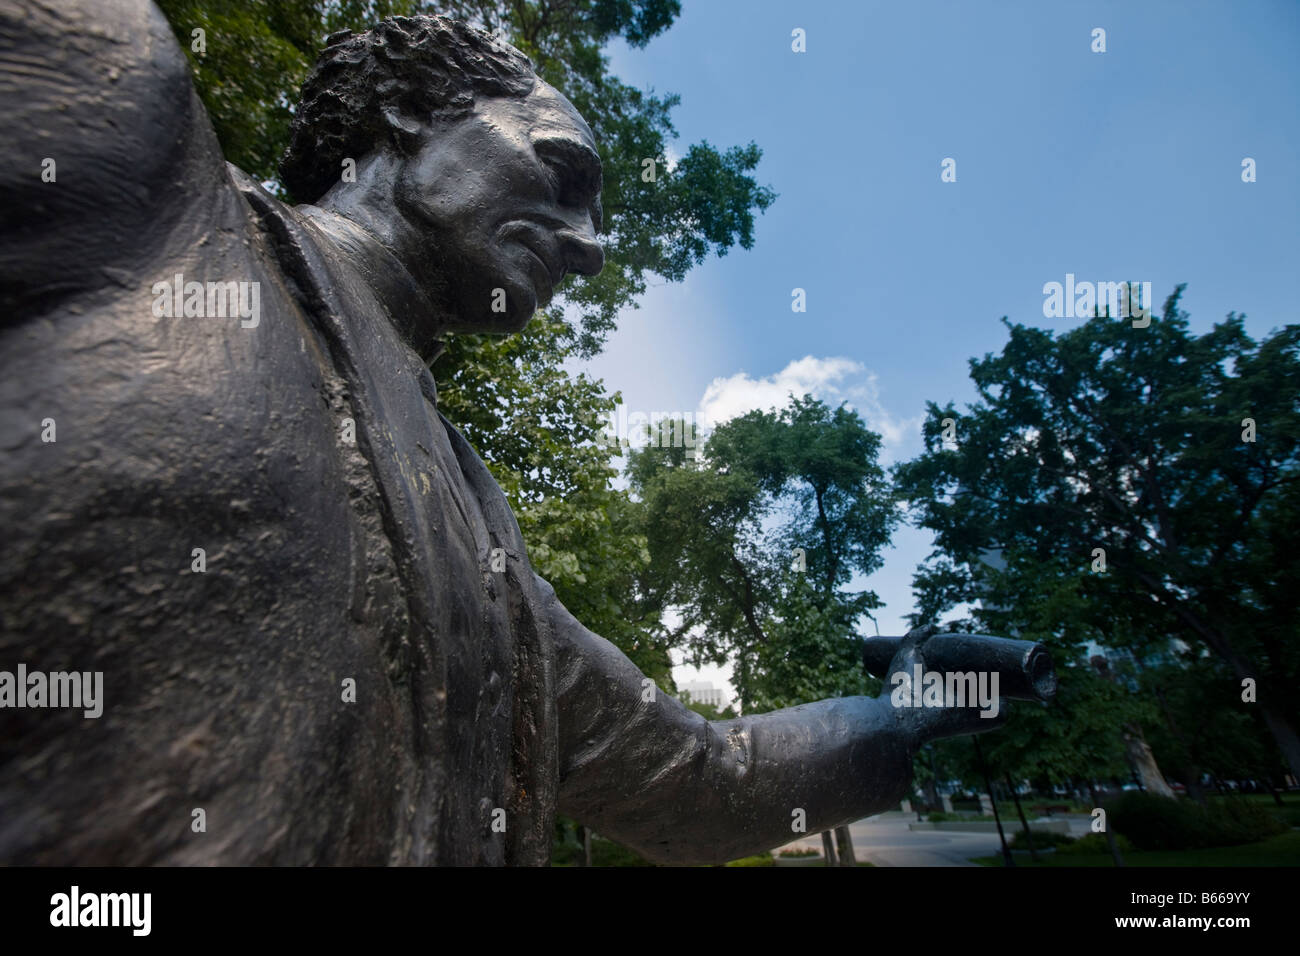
(491, 324)
(480, 321)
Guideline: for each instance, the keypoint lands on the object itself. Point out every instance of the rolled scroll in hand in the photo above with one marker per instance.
(1024, 668)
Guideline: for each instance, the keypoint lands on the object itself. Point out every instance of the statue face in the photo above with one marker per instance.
(501, 204)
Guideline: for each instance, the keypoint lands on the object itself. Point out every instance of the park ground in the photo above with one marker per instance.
(887, 840)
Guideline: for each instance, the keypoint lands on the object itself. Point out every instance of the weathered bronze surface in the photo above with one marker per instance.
(187, 422)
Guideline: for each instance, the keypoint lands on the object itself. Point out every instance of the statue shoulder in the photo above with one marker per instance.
(105, 147)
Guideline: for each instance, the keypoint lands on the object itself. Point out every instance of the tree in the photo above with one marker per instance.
(542, 425)
(756, 543)
(1082, 730)
(1156, 470)
(706, 710)
(1202, 725)
(251, 62)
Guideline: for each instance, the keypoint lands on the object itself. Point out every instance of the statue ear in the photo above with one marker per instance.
(405, 131)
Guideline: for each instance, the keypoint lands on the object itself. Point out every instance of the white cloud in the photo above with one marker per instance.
(671, 157)
(833, 380)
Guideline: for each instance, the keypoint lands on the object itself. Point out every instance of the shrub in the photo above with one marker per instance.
(764, 859)
(1042, 840)
(1159, 823)
(1242, 821)
(1289, 815)
(609, 853)
(1095, 843)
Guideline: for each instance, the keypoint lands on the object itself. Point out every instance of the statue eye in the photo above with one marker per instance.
(564, 181)
(555, 176)
(574, 170)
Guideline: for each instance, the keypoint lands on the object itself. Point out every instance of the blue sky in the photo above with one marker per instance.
(1111, 166)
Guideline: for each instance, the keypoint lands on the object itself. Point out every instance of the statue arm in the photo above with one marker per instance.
(108, 158)
(655, 776)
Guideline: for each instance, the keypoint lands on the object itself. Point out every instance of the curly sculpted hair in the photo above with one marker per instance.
(421, 67)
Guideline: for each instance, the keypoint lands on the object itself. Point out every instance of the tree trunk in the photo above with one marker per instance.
(1140, 758)
(1029, 836)
(1007, 858)
(1283, 733)
(1191, 772)
(1110, 834)
(828, 848)
(1144, 762)
(844, 844)
(1278, 725)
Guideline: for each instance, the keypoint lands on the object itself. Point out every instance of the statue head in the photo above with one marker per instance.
(482, 180)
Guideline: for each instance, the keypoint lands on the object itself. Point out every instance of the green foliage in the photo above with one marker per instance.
(1159, 823)
(708, 711)
(798, 852)
(723, 531)
(259, 52)
(1206, 726)
(1242, 821)
(1290, 816)
(1281, 850)
(1129, 440)
(762, 859)
(1079, 733)
(704, 204)
(566, 848)
(1042, 839)
(1094, 843)
(538, 427)
(608, 853)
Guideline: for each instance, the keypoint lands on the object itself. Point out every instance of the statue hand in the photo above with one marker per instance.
(925, 723)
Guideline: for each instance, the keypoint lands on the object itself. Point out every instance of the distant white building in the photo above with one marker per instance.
(703, 692)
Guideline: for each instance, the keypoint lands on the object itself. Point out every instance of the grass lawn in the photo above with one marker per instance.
(1281, 850)
(1289, 798)
(808, 861)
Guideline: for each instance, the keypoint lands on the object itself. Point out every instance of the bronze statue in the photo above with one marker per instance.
(227, 487)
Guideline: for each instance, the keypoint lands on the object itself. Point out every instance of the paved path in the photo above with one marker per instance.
(885, 840)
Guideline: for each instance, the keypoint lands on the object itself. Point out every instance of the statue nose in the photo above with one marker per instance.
(582, 253)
